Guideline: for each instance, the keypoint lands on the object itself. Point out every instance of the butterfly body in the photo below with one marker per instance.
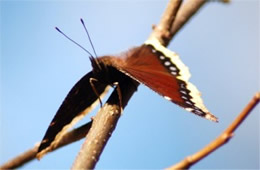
(81, 99)
(150, 64)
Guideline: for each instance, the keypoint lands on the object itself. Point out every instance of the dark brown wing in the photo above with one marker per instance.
(163, 71)
(80, 100)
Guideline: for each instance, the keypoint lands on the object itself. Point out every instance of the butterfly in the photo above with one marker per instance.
(150, 64)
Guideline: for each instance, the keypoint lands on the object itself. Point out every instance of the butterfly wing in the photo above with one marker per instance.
(80, 100)
(162, 70)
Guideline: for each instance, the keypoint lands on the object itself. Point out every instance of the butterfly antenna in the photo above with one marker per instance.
(73, 41)
(88, 36)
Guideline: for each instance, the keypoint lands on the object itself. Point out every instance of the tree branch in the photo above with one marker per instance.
(103, 125)
(21, 159)
(221, 140)
(162, 31)
(27, 156)
(186, 11)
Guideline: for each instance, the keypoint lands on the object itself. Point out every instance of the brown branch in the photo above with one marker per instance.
(162, 32)
(186, 11)
(21, 159)
(221, 140)
(27, 156)
(103, 125)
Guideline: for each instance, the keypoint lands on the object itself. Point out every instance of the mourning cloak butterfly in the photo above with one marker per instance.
(150, 64)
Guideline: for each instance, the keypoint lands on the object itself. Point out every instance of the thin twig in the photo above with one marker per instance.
(21, 159)
(221, 140)
(186, 11)
(162, 31)
(27, 156)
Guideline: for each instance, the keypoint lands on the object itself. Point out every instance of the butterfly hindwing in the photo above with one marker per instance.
(80, 100)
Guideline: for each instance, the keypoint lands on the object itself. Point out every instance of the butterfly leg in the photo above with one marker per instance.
(91, 80)
(119, 95)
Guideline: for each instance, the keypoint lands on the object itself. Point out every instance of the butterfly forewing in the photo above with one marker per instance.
(163, 71)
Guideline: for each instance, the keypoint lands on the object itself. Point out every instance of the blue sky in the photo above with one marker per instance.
(39, 66)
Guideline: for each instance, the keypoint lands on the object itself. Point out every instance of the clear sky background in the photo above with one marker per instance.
(39, 66)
